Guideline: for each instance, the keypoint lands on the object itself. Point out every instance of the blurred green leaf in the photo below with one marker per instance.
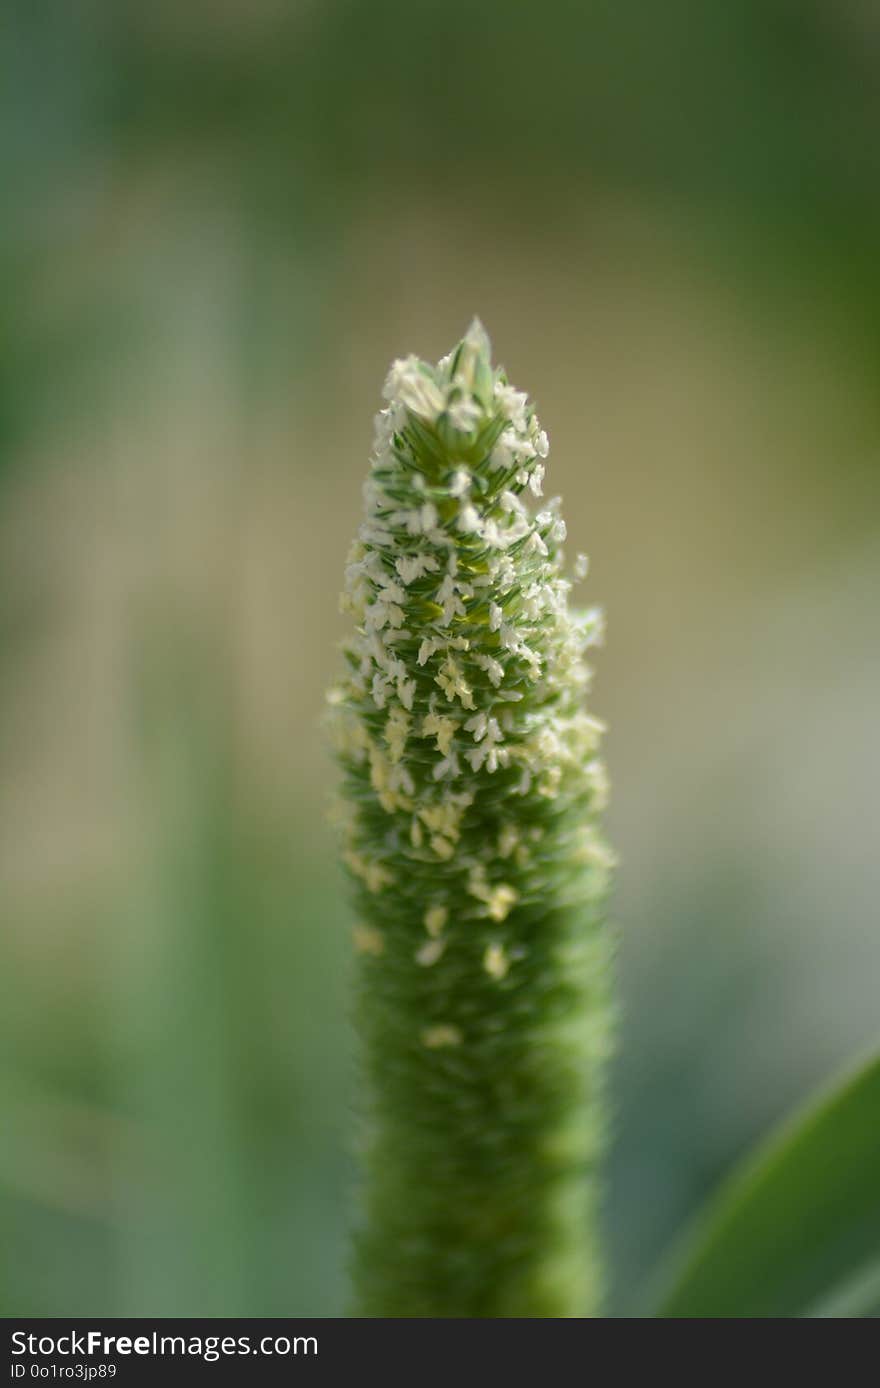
(796, 1232)
(858, 1297)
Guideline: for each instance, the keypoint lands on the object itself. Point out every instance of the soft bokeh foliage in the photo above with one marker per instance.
(221, 223)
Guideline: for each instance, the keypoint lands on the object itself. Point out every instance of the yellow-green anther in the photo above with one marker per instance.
(471, 792)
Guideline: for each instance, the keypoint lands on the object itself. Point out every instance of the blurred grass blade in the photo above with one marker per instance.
(859, 1297)
(796, 1231)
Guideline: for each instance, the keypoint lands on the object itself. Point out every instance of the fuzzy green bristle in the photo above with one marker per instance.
(469, 802)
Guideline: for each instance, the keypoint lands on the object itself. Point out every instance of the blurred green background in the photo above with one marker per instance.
(221, 221)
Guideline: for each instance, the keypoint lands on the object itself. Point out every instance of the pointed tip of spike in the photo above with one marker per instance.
(471, 363)
(477, 337)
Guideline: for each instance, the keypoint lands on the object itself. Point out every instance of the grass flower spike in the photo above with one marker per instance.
(469, 804)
